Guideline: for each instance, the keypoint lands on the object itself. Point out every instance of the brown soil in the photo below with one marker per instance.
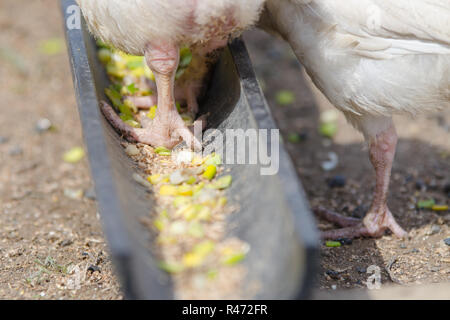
(47, 240)
(422, 157)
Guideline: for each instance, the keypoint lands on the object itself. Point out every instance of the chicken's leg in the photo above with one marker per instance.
(379, 218)
(184, 94)
(145, 102)
(167, 127)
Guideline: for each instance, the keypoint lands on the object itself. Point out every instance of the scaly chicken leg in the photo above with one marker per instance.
(187, 94)
(168, 126)
(379, 218)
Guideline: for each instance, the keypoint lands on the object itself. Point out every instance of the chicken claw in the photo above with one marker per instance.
(165, 133)
(373, 225)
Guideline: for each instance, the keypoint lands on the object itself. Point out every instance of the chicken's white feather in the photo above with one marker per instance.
(131, 24)
(371, 57)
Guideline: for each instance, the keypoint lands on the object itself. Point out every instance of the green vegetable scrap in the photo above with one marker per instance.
(170, 267)
(333, 244)
(426, 204)
(74, 155)
(285, 97)
(328, 124)
(222, 183)
(52, 46)
(328, 130)
(162, 151)
(189, 193)
(294, 138)
(214, 159)
(185, 60)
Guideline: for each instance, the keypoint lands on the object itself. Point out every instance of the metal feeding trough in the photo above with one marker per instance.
(273, 215)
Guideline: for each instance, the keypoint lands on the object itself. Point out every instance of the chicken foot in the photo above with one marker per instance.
(379, 218)
(167, 127)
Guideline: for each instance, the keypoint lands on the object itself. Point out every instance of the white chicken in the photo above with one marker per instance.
(157, 29)
(372, 59)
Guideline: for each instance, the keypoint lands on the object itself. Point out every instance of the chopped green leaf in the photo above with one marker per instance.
(132, 88)
(212, 274)
(179, 73)
(333, 244)
(222, 183)
(102, 44)
(426, 204)
(196, 230)
(104, 55)
(135, 62)
(234, 259)
(294, 138)
(214, 159)
(52, 46)
(285, 97)
(185, 57)
(133, 123)
(328, 130)
(162, 151)
(204, 248)
(114, 96)
(170, 267)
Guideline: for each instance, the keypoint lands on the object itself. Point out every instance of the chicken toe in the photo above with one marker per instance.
(374, 225)
(165, 131)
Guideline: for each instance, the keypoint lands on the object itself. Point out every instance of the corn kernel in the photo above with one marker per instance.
(439, 208)
(214, 159)
(197, 160)
(204, 213)
(189, 212)
(130, 105)
(74, 155)
(133, 123)
(191, 180)
(222, 202)
(154, 179)
(197, 188)
(152, 112)
(185, 190)
(104, 55)
(210, 172)
(192, 260)
(181, 201)
(196, 230)
(159, 224)
(204, 248)
(168, 190)
(222, 183)
(163, 151)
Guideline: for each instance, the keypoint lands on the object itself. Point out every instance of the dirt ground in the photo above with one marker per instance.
(51, 243)
(51, 246)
